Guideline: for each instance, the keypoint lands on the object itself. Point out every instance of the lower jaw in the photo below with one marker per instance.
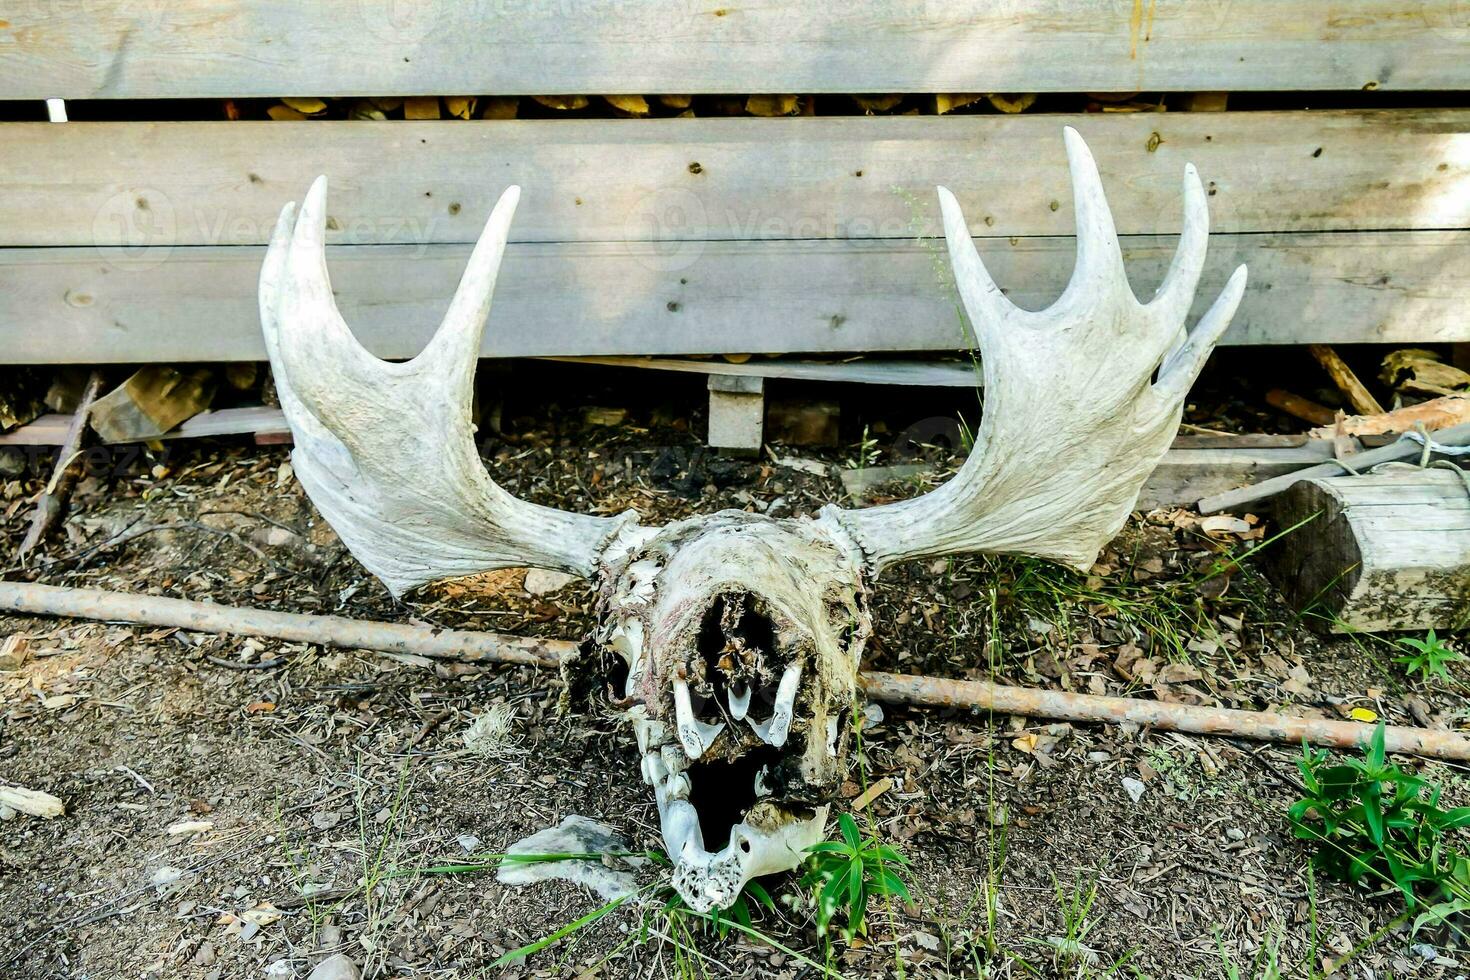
(708, 880)
(765, 836)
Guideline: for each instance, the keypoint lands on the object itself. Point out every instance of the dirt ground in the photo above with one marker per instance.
(319, 781)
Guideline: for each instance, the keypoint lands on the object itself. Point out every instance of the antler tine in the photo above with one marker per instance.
(1176, 293)
(1099, 270)
(1184, 364)
(984, 302)
(456, 346)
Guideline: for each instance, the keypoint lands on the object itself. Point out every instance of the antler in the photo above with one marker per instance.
(1081, 399)
(386, 450)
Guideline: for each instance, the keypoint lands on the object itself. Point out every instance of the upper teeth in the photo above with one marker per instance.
(774, 732)
(739, 702)
(694, 735)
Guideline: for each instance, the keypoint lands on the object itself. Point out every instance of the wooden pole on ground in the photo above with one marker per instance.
(472, 647)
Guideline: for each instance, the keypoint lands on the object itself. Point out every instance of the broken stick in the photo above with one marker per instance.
(1347, 382)
(472, 647)
(335, 631)
(52, 502)
(1259, 725)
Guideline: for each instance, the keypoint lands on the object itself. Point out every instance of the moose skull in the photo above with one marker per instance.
(738, 636)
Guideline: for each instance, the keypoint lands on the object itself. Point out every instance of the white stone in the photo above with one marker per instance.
(611, 875)
(337, 967)
(541, 581)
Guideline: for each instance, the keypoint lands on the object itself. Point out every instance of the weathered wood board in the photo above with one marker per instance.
(1185, 475)
(1381, 551)
(238, 48)
(419, 183)
(158, 304)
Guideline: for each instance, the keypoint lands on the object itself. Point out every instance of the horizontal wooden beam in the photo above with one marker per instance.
(1182, 476)
(141, 49)
(50, 430)
(114, 305)
(867, 370)
(672, 180)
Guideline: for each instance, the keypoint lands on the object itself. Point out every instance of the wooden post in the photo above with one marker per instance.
(737, 409)
(1385, 551)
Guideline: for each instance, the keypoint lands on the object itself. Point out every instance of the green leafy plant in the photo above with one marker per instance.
(846, 874)
(1430, 657)
(1372, 820)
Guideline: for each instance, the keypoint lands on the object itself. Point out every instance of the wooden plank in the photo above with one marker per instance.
(76, 305)
(238, 48)
(1400, 449)
(930, 374)
(50, 430)
(414, 183)
(1186, 475)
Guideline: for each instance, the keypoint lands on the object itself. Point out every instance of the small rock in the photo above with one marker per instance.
(1133, 787)
(541, 581)
(1099, 756)
(337, 967)
(279, 537)
(15, 650)
(165, 878)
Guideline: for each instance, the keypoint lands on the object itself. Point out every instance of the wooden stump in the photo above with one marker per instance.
(1386, 551)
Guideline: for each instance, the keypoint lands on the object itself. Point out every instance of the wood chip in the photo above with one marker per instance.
(872, 793)
(32, 802)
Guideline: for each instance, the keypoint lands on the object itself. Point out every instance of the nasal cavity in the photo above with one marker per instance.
(736, 638)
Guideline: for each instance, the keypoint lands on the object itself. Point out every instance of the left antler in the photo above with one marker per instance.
(1081, 399)
(387, 451)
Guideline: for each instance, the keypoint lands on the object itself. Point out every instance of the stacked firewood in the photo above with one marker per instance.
(665, 106)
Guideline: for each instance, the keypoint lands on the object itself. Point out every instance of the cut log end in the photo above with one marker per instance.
(1382, 551)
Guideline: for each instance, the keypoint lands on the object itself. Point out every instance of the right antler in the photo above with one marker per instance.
(1081, 399)
(386, 450)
